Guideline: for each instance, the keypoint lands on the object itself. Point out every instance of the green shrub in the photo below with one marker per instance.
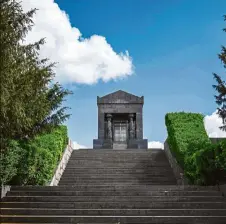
(41, 157)
(183, 129)
(9, 161)
(220, 151)
(202, 161)
(220, 158)
(200, 166)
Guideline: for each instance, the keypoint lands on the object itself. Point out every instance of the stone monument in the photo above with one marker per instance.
(120, 122)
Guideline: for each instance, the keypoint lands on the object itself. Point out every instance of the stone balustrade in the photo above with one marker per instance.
(62, 164)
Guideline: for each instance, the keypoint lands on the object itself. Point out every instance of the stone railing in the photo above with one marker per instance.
(62, 164)
(4, 190)
(177, 170)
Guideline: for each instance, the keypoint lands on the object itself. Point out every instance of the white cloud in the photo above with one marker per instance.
(80, 60)
(78, 146)
(212, 123)
(155, 145)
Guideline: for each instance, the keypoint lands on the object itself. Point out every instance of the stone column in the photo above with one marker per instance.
(109, 126)
(131, 126)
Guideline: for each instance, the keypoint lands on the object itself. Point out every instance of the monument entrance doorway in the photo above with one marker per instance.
(120, 131)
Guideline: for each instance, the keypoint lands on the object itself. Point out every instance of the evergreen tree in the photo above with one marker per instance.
(221, 88)
(31, 103)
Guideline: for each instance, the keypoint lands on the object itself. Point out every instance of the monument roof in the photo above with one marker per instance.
(120, 97)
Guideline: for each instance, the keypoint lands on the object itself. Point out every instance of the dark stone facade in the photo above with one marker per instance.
(216, 140)
(120, 117)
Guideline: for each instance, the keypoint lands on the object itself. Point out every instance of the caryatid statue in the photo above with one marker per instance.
(131, 126)
(109, 126)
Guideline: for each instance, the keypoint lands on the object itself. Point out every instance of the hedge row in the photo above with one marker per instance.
(202, 161)
(33, 162)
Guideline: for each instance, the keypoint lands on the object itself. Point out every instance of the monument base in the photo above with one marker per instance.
(131, 144)
(102, 144)
(137, 144)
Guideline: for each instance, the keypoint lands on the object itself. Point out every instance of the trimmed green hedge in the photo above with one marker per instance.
(9, 161)
(201, 160)
(183, 129)
(35, 161)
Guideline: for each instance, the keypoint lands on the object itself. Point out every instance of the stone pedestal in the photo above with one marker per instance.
(137, 144)
(102, 144)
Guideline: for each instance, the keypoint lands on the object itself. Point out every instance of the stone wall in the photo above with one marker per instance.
(178, 171)
(62, 165)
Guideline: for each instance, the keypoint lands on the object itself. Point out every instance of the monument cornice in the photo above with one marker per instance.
(120, 97)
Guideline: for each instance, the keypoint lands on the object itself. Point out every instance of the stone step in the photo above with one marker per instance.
(119, 176)
(120, 159)
(119, 165)
(117, 169)
(89, 185)
(114, 212)
(91, 182)
(119, 156)
(115, 181)
(133, 151)
(113, 187)
(118, 162)
(113, 198)
(117, 152)
(114, 193)
(101, 171)
(115, 220)
(132, 169)
(116, 205)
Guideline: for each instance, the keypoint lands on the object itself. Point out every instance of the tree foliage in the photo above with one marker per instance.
(220, 87)
(31, 102)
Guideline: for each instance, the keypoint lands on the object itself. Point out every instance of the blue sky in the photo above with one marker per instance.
(173, 45)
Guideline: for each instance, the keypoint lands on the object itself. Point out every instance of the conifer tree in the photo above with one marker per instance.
(220, 87)
(31, 102)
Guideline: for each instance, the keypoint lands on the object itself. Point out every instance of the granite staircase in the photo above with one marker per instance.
(115, 186)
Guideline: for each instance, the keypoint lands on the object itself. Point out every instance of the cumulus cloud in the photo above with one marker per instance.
(76, 145)
(212, 123)
(80, 60)
(155, 145)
